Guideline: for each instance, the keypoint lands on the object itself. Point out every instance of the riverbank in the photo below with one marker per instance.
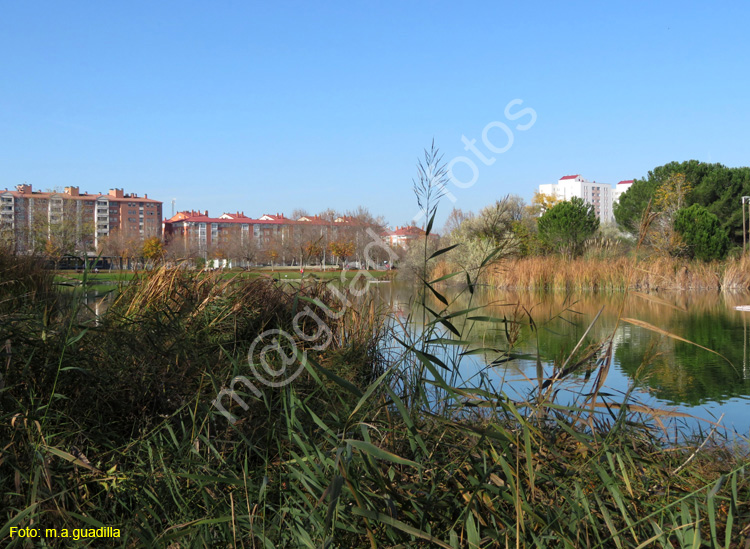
(113, 423)
(618, 274)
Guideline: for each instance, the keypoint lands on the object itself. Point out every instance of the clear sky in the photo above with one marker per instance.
(267, 107)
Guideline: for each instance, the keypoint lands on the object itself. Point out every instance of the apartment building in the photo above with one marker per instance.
(89, 218)
(599, 195)
(621, 188)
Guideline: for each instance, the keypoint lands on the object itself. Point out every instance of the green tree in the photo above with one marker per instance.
(702, 233)
(714, 186)
(566, 226)
(629, 209)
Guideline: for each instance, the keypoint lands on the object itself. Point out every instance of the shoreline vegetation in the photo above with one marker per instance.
(556, 273)
(378, 442)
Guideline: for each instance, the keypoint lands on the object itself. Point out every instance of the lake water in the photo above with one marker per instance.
(664, 372)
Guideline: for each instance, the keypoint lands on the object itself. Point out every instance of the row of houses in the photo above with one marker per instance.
(601, 196)
(87, 220)
(200, 230)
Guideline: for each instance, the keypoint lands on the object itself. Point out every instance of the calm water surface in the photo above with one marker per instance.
(665, 372)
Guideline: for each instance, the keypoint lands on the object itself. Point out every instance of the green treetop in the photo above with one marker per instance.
(566, 226)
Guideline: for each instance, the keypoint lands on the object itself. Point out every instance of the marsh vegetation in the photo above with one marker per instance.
(378, 442)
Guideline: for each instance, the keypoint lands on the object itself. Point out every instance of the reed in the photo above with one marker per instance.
(23, 280)
(618, 274)
(379, 442)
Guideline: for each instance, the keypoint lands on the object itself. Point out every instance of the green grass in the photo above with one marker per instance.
(289, 273)
(112, 277)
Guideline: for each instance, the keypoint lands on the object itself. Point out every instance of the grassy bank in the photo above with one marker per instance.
(377, 442)
(115, 277)
(556, 273)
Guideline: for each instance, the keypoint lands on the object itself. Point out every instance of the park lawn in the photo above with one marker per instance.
(63, 277)
(279, 273)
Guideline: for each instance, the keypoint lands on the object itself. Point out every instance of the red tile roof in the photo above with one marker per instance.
(625, 182)
(270, 219)
(238, 215)
(312, 220)
(569, 177)
(26, 191)
(410, 230)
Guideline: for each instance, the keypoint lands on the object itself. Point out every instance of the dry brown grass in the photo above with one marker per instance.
(651, 274)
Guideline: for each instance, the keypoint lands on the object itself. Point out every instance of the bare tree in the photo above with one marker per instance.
(242, 249)
(299, 212)
(455, 218)
(123, 246)
(62, 230)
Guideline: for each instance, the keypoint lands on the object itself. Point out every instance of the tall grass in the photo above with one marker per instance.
(22, 280)
(380, 442)
(617, 274)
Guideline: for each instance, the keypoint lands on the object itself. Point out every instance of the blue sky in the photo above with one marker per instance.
(275, 106)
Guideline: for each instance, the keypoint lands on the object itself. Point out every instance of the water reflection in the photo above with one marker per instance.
(672, 372)
(91, 303)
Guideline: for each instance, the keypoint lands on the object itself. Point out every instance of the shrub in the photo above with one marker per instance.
(702, 233)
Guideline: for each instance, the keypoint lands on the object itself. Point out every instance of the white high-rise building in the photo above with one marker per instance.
(621, 187)
(599, 195)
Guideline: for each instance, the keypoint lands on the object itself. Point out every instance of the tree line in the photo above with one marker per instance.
(682, 209)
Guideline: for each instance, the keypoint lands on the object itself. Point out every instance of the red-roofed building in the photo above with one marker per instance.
(622, 187)
(402, 236)
(276, 237)
(599, 195)
(199, 232)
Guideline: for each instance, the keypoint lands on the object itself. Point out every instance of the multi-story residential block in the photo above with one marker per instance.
(599, 195)
(198, 232)
(33, 216)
